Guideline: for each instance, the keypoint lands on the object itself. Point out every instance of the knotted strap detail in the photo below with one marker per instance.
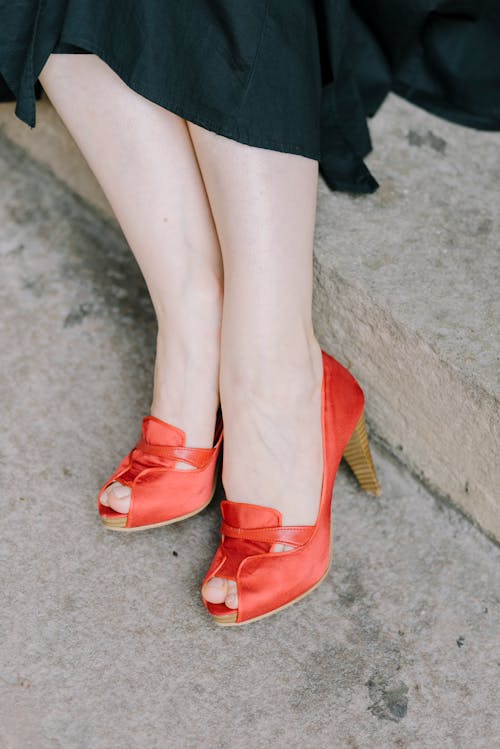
(294, 535)
(199, 457)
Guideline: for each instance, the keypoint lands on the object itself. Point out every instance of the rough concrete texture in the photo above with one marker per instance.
(105, 642)
(405, 288)
(50, 144)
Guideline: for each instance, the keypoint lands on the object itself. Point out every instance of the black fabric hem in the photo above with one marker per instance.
(184, 111)
(446, 111)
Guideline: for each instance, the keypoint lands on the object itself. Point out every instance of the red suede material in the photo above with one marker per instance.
(198, 457)
(294, 535)
(158, 432)
(267, 580)
(218, 609)
(215, 564)
(231, 552)
(247, 515)
(160, 491)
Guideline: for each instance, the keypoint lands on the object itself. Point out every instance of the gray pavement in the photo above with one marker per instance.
(104, 640)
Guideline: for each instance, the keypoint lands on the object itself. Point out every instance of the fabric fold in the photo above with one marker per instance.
(295, 76)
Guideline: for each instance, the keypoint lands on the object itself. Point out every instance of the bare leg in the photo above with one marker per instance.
(264, 205)
(143, 157)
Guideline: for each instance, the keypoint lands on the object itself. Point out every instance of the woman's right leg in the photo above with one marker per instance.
(143, 158)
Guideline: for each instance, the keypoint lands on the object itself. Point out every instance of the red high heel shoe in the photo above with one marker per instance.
(160, 493)
(269, 581)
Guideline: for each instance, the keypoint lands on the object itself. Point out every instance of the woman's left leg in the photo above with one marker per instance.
(143, 158)
(264, 206)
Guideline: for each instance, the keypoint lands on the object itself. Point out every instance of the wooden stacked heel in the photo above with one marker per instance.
(359, 459)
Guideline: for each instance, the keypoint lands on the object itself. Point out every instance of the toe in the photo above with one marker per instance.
(103, 499)
(231, 599)
(220, 590)
(214, 591)
(119, 497)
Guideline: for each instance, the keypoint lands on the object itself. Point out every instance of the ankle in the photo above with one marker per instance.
(288, 375)
(185, 391)
(193, 306)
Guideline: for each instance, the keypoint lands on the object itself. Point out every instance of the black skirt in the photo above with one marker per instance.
(299, 76)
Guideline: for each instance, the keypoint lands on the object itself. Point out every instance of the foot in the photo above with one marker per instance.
(117, 496)
(273, 444)
(186, 383)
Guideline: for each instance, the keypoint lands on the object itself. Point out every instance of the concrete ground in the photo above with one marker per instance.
(104, 640)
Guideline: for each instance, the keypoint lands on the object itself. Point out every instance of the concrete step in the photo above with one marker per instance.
(405, 290)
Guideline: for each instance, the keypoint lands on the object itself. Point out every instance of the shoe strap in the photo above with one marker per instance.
(197, 456)
(294, 535)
